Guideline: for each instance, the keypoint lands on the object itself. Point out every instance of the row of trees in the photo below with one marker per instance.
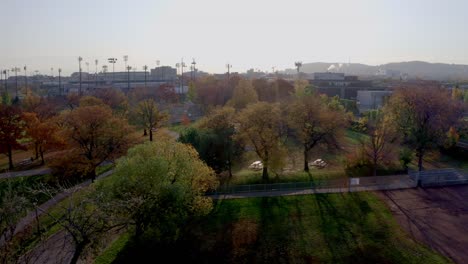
(418, 118)
(83, 132)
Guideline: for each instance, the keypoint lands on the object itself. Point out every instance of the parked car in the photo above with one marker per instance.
(319, 163)
(256, 165)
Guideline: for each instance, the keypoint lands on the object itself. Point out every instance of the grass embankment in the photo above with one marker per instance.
(322, 228)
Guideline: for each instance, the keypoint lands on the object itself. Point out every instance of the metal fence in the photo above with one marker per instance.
(440, 177)
(324, 186)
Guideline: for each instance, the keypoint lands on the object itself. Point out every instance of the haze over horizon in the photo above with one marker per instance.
(261, 34)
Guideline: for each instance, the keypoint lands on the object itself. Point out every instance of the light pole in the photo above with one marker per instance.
(95, 76)
(157, 67)
(79, 64)
(128, 77)
(16, 70)
(113, 61)
(125, 58)
(87, 72)
(146, 69)
(182, 65)
(60, 81)
(104, 71)
(25, 77)
(298, 65)
(6, 80)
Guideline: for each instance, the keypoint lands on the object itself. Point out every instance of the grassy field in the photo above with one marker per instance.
(326, 228)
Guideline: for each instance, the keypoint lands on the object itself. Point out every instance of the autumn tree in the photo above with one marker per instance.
(11, 130)
(149, 116)
(44, 134)
(157, 186)
(378, 147)
(114, 98)
(94, 135)
(244, 94)
(260, 125)
(315, 124)
(423, 115)
(166, 93)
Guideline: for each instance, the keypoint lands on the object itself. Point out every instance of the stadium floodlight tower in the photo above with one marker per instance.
(80, 59)
(113, 61)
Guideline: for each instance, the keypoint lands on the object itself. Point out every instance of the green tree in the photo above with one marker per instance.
(157, 186)
(214, 139)
(244, 94)
(149, 116)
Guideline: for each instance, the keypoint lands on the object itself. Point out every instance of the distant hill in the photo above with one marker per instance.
(414, 69)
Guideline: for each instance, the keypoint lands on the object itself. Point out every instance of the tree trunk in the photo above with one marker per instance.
(78, 250)
(36, 151)
(41, 151)
(420, 161)
(374, 169)
(306, 160)
(151, 134)
(92, 175)
(265, 173)
(10, 158)
(144, 132)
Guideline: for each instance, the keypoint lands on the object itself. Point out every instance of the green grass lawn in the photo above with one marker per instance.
(325, 228)
(247, 176)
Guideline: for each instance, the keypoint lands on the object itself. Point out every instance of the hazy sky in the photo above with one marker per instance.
(246, 33)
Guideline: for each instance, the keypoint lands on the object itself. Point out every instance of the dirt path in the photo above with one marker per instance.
(437, 217)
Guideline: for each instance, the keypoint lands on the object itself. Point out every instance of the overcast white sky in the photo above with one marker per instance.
(246, 33)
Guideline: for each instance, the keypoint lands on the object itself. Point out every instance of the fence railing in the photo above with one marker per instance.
(332, 185)
(440, 177)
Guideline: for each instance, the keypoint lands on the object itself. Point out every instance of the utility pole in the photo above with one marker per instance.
(95, 76)
(16, 70)
(6, 80)
(194, 64)
(60, 81)
(182, 65)
(228, 66)
(79, 64)
(146, 69)
(113, 61)
(25, 77)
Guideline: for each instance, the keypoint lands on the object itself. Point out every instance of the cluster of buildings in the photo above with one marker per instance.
(365, 93)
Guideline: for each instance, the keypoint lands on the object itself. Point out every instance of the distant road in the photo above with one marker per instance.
(14, 174)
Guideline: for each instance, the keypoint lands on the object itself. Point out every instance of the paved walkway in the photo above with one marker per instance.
(14, 174)
(32, 215)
